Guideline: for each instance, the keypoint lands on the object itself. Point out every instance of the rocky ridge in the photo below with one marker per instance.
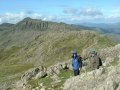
(105, 78)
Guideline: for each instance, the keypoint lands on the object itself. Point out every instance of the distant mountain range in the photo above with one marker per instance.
(112, 30)
(37, 24)
(29, 24)
(104, 27)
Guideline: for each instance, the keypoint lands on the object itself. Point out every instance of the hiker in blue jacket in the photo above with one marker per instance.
(76, 63)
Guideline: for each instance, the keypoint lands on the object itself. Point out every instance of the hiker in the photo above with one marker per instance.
(95, 60)
(76, 63)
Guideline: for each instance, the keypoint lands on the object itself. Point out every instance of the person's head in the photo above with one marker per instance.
(74, 54)
(93, 53)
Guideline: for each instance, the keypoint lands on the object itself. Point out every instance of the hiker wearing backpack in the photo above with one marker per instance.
(76, 63)
(95, 60)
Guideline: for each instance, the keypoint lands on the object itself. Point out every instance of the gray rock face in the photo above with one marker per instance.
(41, 74)
(100, 79)
(110, 52)
(55, 69)
(29, 74)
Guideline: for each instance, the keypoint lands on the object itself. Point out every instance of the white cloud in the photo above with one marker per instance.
(113, 18)
(90, 12)
(70, 11)
(12, 17)
(84, 14)
(16, 17)
(49, 18)
(83, 11)
(69, 16)
(36, 16)
(95, 15)
(0, 20)
(116, 11)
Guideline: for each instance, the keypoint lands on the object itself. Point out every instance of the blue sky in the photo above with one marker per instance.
(69, 11)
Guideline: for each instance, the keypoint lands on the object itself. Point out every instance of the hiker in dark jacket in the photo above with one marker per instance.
(76, 63)
(95, 60)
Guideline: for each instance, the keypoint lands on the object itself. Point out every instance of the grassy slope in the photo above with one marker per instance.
(47, 81)
(115, 37)
(22, 50)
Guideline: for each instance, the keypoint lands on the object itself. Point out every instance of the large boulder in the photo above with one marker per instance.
(30, 74)
(41, 74)
(56, 69)
(50, 71)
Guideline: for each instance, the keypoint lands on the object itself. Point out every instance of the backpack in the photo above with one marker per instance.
(80, 61)
(100, 62)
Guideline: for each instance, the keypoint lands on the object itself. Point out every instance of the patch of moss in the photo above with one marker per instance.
(115, 62)
(35, 82)
(5, 54)
(105, 41)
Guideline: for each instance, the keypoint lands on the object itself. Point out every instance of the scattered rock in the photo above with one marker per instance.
(41, 84)
(41, 74)
(30, 74)
(55, 77)
(99, 72)
(43, 88)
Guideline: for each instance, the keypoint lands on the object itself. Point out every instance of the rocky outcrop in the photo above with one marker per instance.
(101, 79)
(35, 72)
(31, 24)
(55, 69)
(105, 78)
(110, 51)
(41, 72)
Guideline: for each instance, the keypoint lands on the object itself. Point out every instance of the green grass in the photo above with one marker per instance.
(46, 81)
(35, 82)
(60, 50)
(55, 48)
(7, 71)
(105, 42)
(64, 75)
(9, 53)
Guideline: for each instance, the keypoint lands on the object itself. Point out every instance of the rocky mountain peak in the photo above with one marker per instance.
(31, 24)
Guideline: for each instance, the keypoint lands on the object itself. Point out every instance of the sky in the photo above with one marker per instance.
(68, 11)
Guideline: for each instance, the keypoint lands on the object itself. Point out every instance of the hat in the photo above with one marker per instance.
(93, 51)
(74, 52)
